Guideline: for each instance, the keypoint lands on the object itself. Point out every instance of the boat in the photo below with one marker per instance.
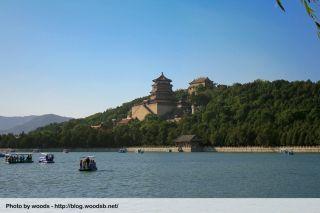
(290, 152)
(88, 164)
(123, 150)
(2, 155)
(65, 151)
(36, 150)
(286, 151)
(140, 151)
(46, 158)
(13, 158)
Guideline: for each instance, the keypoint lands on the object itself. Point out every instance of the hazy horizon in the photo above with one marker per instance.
(77, 58)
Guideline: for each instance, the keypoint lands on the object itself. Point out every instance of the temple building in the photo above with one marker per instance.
(163, 103)
(203, 81)
(160, 103)
(188, 143)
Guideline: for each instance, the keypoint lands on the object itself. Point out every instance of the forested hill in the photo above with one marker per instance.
(260, 113)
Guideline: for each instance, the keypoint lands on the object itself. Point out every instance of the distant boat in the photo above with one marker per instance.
(36, 150)
(46, 158)
(140, 151)
(290, 152)
(287, 151)
(88, 164)
(123, 150)
(65, 151)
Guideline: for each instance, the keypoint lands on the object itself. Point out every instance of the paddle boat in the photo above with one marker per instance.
(18, 158)
(140, 151)
(290, 152)
(65, 151)
(123, 150)
(88, 164)
(286, 151)
(46, 158)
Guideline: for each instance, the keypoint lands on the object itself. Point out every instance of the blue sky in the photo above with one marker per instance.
(76, 58)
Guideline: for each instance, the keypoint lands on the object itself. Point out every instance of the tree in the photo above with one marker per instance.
(308, 5)
(260, 113)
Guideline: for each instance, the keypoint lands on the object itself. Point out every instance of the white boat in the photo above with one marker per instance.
(46, 158)
(123, 150)
(286, 151)
(140, 151)
(88, 164)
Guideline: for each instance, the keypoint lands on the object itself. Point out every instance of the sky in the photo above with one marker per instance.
(76, 58)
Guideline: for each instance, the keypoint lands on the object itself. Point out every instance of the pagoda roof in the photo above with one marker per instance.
(200, 80)
(162, 78)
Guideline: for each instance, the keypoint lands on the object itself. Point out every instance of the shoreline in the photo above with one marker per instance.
(295, 149)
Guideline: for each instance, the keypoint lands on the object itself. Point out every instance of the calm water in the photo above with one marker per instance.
(166, 175)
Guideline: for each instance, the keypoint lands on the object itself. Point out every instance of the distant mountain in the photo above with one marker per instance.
(10, 122)
(26, 124)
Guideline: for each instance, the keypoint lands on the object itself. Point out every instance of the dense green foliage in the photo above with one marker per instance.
(260, 113)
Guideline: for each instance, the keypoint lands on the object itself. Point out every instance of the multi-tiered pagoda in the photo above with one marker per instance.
(162, 90)
(161, 101)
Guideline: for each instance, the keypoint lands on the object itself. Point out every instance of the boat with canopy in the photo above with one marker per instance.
(88, 164)
(122, 150)
(12, 158)
(46, 158)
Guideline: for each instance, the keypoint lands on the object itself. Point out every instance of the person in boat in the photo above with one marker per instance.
(87, 162)
(92, 164)
(8, 159)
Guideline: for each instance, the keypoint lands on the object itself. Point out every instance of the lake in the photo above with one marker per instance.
(158, 175)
